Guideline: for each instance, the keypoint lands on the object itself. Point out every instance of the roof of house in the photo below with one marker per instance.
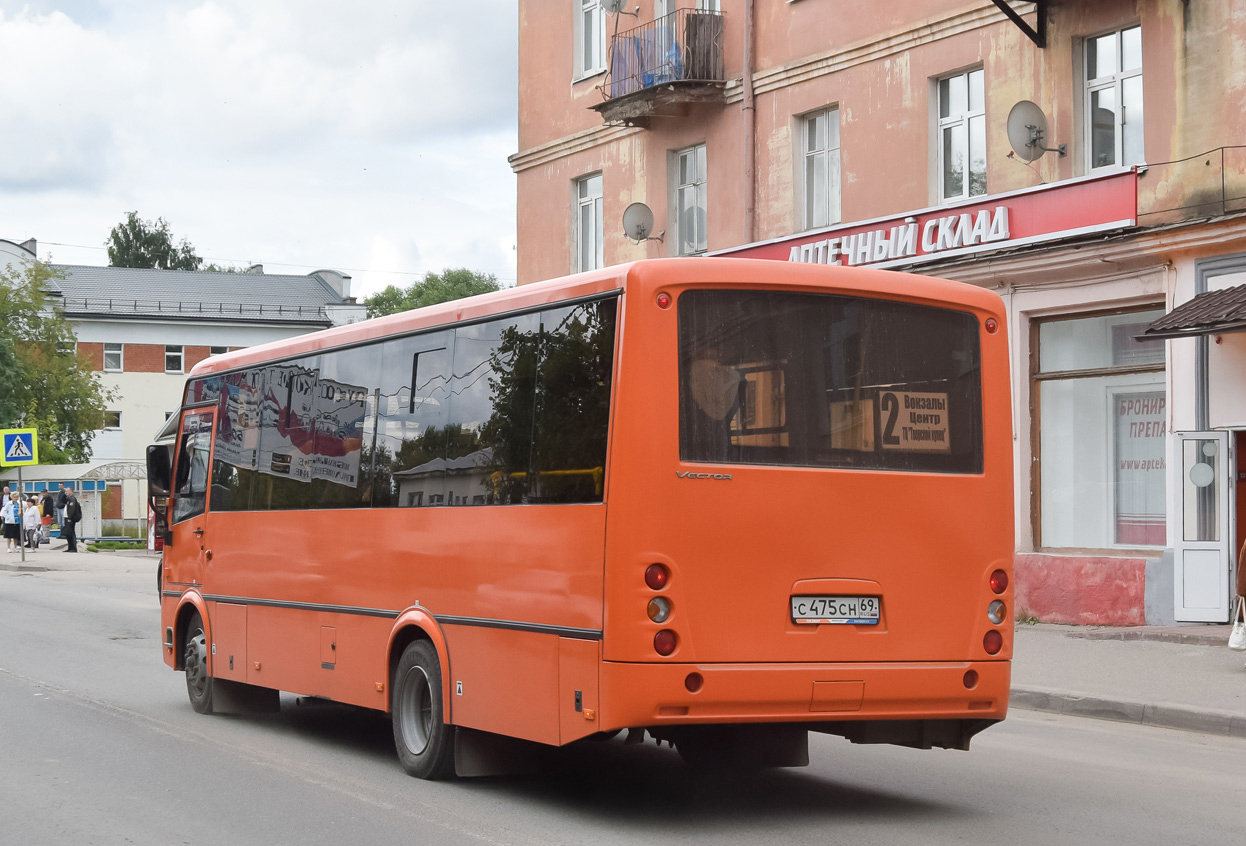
(87, 291)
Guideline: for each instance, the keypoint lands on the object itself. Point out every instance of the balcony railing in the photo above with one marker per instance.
(683, 46)
(1210, 184)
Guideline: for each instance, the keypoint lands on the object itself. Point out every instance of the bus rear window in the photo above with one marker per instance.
(822, 380)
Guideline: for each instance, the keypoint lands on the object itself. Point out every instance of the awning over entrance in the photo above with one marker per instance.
(1209, 313)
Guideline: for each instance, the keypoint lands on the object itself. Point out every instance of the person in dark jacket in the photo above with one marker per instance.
(73, 516)
(48, 504)
(60, 506)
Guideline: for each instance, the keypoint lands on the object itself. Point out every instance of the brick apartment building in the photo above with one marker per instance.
(143, 330)
(879, 134)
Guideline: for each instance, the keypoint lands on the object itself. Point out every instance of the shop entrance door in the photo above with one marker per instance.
(1204, 545)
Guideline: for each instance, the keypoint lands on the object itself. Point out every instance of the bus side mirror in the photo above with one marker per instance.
(159, 471)
(159, 482)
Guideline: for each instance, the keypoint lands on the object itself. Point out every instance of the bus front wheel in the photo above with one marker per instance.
(195, 659)
(424, 742)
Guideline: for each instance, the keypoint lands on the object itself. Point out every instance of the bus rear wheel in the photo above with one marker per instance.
(424, 741)
(195, 660)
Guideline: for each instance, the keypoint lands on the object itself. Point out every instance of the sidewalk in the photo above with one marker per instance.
(1182, 677)
(54, 557)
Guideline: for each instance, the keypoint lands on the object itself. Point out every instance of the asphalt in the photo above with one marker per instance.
(1180, 677)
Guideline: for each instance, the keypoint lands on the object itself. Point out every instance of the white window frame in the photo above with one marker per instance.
(588, 224)
(590, 23)
(813, 152)
(1113, 82)
(119, 351)
(690, 179)
(217, 350)
(180, 352)
(973, 117)
(117, 427)
(708, 6)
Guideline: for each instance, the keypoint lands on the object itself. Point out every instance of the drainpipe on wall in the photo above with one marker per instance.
(750, 129)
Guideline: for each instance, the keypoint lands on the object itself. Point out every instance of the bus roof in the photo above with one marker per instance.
(639, 275)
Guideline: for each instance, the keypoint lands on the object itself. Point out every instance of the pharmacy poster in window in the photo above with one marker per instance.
(1140, 429)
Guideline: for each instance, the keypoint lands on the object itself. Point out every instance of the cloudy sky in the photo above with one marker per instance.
(367, 137)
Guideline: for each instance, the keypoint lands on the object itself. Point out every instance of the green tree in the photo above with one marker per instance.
(142, 243)
(434, 288)
(43, 385)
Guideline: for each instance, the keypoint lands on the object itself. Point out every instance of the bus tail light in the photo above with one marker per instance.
(693, 682)
(657, 576)
(971, 679)
(999, 581)
(664, 642)
(992, 642)
(659, 609)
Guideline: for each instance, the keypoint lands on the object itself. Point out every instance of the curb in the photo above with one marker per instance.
(1157, 715)
(1217, 638)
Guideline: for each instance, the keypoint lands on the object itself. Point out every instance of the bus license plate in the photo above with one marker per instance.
(836, 610)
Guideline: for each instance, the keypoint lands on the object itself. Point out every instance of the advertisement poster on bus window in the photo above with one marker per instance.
(239, 418)
(340, 413)
(287, 422)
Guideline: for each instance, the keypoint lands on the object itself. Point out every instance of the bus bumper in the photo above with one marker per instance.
(650, 695)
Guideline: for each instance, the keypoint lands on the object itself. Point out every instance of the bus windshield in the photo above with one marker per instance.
(825, 380)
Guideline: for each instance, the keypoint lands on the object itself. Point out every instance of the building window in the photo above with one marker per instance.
(707, 6)
(114, 357)
(962, 136)
(589, 230)
(1102, 420)
(590, 38)
(820, 150)
(690, 201)
(1114, 98)
(217, 350)
(112, 419)
(172, 359)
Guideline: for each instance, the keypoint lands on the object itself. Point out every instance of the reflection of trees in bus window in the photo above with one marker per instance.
(573, 403)
(492, 398)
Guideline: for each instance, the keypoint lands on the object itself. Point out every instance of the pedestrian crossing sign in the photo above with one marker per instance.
(19, 447)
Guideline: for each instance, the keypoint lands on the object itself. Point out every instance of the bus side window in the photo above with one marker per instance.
(192, 476)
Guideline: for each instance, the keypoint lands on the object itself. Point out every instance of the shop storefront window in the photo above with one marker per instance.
(1102, 420)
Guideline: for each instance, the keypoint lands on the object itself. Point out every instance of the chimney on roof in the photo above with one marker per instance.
(31, 245)
(255, 268)
(339, 282)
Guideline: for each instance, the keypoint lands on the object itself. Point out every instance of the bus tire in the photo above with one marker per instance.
(424, 741)
(195, 661)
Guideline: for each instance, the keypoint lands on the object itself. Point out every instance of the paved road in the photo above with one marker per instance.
(98, 745)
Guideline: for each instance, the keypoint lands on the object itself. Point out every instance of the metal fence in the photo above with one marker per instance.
(685, 45)
(122, 305)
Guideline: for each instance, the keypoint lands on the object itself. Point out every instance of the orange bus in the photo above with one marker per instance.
(725, 502)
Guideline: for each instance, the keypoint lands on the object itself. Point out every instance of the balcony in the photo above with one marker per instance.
(663, 68)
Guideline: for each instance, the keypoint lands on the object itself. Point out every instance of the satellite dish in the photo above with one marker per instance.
(611, 7)
(638, 223)
(1027, 130)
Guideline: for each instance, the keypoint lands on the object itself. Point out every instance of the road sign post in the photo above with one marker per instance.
(19, 448)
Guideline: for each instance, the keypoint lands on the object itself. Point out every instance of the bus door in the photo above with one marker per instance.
(188, 526)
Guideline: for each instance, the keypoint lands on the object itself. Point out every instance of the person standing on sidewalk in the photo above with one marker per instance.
(31, 521)
(49, 512)
(60, 506)
(11, 516)
(73, 516)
